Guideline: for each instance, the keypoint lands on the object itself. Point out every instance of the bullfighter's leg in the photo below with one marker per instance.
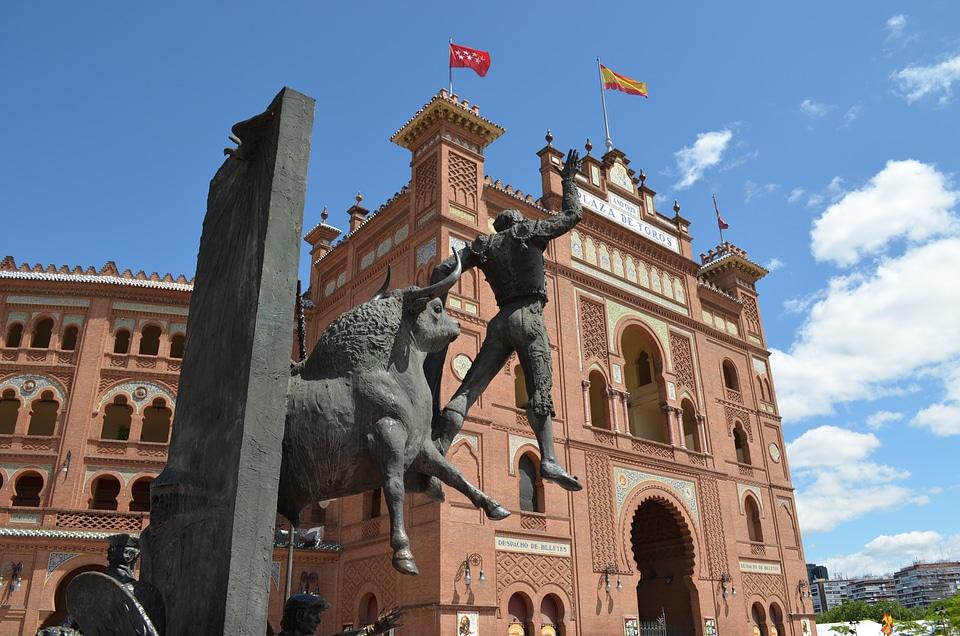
(533, 351)
(493, 353)
(387, 447)
(429, 461)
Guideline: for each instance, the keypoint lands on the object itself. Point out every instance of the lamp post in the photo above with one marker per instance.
(464, 573)
(605, 579)
(727, 588)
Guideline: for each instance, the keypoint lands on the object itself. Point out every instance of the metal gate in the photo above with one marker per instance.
(659, 627)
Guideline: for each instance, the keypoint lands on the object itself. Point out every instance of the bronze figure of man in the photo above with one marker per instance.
(512, 262)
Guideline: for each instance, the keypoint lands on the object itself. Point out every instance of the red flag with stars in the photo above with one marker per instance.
(463, 57)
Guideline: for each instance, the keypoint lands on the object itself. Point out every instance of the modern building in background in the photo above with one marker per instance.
(923, 583)
(665, 410)
(815, 572)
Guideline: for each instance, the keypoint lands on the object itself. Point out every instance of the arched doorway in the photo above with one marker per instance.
(60, 594)
(759, 617)
(663, 552)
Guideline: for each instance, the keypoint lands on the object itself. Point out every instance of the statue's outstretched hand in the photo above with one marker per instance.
(387, 621)
(571, 166)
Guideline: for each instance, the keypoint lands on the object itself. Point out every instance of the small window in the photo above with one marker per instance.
(150, 341)
(116, 419)
(105, 492)
(69, 340)
(752, 512)
(41, 334)
(9, 411)
(43, 415)
(530, 486)
(691, 433)
(28, 487)
(156, 422)
(176, 345)
(520, 387)
(14, 335)
(372, 504)
(740, 444)
(598, 401)
(121, 341)
(644, 369)
(140, 495)
(730, 376)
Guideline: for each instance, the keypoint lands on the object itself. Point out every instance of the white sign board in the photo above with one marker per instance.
(627, 214)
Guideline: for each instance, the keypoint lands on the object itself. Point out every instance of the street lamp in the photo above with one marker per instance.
(726, 585)
(464, 571)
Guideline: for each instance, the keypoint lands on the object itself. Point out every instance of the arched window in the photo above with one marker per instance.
(644, 415)
(531, 488)
(598, 401)
(520, 387)
(28, 488)
(140, 495)
(730, 376)
(372, 504)
(121, 341)
(759, 619)
(369, 609)
(550, 613)
(69, 340)
(41, 334)
(14, 335)
(150, 341)
(691, 433)
(752, 512)
(105, 492)
(116, 419)
(9, 411)
(520, 611)
(43, 415)
(156, 422)
(741, 444)
(176, 345)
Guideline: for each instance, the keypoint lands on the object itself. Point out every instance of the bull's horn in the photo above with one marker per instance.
(441, 287)
(383, 288)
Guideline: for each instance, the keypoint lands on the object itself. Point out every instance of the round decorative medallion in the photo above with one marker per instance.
(29, 386)
(140, 392)
(775, 453)
(462, 364)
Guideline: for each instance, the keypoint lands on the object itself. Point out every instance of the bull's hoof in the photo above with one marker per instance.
(497, 512)
(405, 565)
(434, 491)
(554, 472)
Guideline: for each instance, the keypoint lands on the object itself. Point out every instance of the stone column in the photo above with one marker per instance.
(612, 395)
(586, 402)
(625, 410)
(678, 416)
(209, 544)
(702, 428)
(671, 434)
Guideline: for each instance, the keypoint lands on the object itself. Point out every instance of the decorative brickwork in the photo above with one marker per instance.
(532, 522)
(537, 570)
(463, 180)
(99, 521)
(733, 413)
(710, 506)
(751, 314)
(425, 180)
(375, 570)
(605, 438)
(765, 585)
(683, 361)
(593, 333)
(649, 448)
(603, 531)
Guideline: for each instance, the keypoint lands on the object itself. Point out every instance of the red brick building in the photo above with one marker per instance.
(662, 386)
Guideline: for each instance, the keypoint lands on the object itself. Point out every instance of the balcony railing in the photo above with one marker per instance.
(75, 520)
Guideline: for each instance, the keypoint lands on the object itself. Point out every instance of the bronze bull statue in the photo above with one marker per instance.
(359, 412)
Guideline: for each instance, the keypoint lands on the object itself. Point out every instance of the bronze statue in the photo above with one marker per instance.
(512, 261)
(359, 411)
(302, 616)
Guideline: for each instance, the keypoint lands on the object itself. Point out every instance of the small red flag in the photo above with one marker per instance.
(463, 57)
(723, 225)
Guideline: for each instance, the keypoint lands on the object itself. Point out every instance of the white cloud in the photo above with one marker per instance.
(906, 199)
(851, 115)
(773, 264)
(706, 152)
(888, 553)
(813, 110)
(882, 418)
(795, 195)
(917, 82)
(846, 350)
(844, 482)
(751, 190)
(896, 25)
(943, 419)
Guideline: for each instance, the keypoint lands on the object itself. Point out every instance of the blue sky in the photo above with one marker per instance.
(828, 132)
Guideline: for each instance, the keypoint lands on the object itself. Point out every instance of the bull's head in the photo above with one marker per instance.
(431, 326)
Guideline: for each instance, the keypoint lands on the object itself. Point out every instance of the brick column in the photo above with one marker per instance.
(586, 402)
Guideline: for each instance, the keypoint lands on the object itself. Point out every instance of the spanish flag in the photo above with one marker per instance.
(618, 82)
(887, 623)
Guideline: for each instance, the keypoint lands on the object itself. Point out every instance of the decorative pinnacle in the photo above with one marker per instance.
(359, 197)
(676, 207)
(549, 137)
(643, 177)
(324, 215)
(589, 146)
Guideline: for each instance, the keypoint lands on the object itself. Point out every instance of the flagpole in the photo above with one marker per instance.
(450, 70)
(715, 207)
(603, 100)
